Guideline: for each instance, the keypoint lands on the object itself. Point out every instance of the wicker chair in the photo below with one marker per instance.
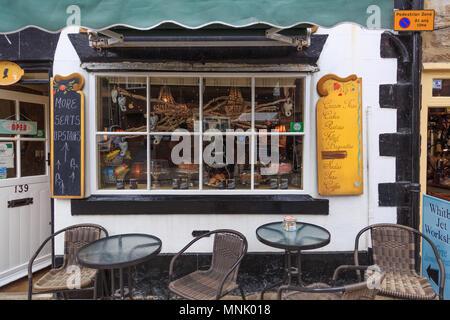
(220, 279)
(322, 291)
(56, 280)
(393, 248)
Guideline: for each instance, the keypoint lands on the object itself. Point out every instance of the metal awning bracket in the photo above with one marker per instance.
(112, 38)
(293, 41)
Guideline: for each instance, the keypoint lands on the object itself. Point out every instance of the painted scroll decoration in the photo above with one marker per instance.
(339, 136)
(67, 123)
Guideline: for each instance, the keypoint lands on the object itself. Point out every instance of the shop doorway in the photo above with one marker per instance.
(25, 215)
(438, 152)
(435, 131)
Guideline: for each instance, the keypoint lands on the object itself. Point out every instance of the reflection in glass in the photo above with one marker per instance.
(122, 104)
(174, 162)
(123, 162)
(279, 104)
(441, 87)
(227, 104)
(7, 112)
(174, 104)
(34, 112)
(279, 164)
(226, 162)
(32, 158)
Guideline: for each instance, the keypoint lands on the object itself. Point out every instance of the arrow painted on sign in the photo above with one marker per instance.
(73, 164)
(65, 148)
(58, 164)
(433, 274)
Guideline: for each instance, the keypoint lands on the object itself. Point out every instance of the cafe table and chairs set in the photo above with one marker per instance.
(89, 250)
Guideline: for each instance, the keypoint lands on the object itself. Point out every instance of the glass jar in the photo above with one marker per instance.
(290, 223)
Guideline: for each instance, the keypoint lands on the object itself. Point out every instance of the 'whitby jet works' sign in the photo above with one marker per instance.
(67, 122)
(436, 226)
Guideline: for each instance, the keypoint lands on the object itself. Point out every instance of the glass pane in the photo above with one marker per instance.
(279, 104)
(438, 155)
(226, 162)
(7, 112)
(7, 160)
(441, 87)
(35, 113)
(122, 162)
(122, 104)
(32, 158)
(174, 162)
(227, 104)
(174, 104)
(279, 162)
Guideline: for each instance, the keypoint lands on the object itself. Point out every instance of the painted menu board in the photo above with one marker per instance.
(67, 122)
(339, 136)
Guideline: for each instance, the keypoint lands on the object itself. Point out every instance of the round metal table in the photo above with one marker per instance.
(307, 236)
(119, 252)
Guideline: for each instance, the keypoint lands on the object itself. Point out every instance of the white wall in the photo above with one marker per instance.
(348, 50)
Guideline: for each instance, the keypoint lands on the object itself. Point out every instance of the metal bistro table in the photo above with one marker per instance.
(119, 252)
(307, 236)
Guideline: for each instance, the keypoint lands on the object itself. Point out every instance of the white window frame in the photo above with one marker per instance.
(19, 97)
(92, 134)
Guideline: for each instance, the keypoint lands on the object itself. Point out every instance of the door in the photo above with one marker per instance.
(25, 214)
(435, 131)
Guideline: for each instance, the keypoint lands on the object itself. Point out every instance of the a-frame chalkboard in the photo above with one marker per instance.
(67, 143)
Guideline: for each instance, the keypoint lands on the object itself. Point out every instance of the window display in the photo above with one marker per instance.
(200, 133)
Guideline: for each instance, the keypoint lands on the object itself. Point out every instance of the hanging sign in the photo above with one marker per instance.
(18, 127)
(67, 142)
(10, 73)
(339, 136)
(414, 20)
(436, 226)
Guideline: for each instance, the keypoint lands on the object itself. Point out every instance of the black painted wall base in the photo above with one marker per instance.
(256, 271)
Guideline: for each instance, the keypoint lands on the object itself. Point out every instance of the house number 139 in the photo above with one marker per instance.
(21, 188)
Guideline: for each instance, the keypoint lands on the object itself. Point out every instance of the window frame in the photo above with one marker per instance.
(92, 121)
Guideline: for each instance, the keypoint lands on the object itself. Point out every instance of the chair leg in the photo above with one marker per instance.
(95, 286)
(168, 294)
(242, 293)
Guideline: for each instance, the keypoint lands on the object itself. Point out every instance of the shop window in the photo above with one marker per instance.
(210, 133)
(441, 87)
(23, 154)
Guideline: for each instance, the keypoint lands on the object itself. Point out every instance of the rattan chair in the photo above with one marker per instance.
(61, 279)
(393, 249)
(220, 279)
(366, 290)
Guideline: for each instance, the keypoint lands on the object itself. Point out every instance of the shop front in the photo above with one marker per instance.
(25, 219)
(202, 119)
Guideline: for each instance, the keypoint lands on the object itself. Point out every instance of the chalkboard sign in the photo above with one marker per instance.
(67, 122)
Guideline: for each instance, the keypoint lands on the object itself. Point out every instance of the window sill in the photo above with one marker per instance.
(200, 204)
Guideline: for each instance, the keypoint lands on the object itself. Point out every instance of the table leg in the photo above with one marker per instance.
(121, 283)
(299, 268)
(112, 284)
(286, 275)
(130, 284)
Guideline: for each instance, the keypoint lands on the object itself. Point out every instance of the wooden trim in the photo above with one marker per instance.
(76, 87)
(320, 88)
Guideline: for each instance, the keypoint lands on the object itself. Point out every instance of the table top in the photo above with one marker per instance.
(119, 251)
(307, 236)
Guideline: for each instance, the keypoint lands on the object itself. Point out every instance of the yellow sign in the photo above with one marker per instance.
(414, 20)
(10, 73)
(339, 136)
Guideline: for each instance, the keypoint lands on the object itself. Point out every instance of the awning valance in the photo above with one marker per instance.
(54, 15)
